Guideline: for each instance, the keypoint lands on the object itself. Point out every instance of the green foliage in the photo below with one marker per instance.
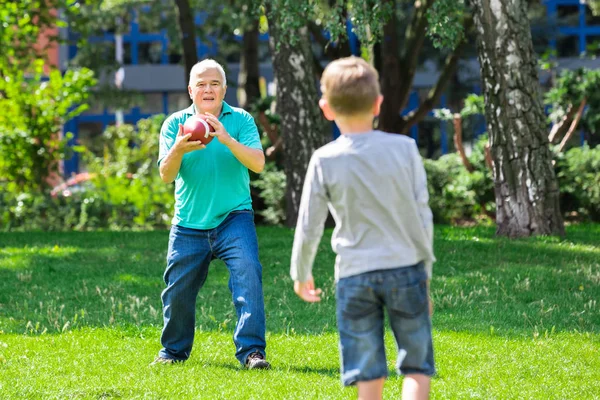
(22, 23)
(126, 177)
(450, 196)
(272, 185)
(445, 18)
(569, 89)
(34, 113)
(578, 172)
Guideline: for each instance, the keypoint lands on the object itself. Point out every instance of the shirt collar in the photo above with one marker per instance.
(226, 109)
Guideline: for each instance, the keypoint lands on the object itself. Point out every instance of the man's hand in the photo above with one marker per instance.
(220, 133)
(306, 291)
(183, 144)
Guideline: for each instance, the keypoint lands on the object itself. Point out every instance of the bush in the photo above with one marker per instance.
(578, 172)
(455, 195)
(126, 178)
(271, 184)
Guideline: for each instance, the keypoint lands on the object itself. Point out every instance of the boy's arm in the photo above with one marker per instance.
(422, 197)
(309, 230)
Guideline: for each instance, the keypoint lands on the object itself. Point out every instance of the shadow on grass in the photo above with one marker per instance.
(54, 282)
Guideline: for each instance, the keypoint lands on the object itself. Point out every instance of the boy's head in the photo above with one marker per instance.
(350, 88)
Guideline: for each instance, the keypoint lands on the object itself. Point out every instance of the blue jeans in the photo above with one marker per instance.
(361, 300)
(189, 255)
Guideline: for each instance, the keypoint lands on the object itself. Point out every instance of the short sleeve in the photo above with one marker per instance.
(249, 135)
(168, 134)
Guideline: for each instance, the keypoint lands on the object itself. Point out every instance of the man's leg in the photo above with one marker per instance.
(236, 244)
(188, 258)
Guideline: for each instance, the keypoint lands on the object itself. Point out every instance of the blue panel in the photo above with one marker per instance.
(165, 98)
(443, 132)
(335, 131)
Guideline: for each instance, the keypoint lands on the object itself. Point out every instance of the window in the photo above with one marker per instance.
(567, 46)
(90, 136)
(152, 103)
(178, 101)
(150, 53)
(592, 45)
(591, 19)
(568, 15)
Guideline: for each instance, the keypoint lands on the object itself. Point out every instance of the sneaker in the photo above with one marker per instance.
(163, 360)
(257, 361)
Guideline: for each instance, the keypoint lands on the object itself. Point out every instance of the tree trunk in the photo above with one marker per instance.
(527, 195)
(188, 35)
(249, 91)
(303, 128)
(389, 118)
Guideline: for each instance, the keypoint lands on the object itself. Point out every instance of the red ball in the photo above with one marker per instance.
(199, 128)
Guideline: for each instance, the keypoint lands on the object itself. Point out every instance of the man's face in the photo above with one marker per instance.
(207, 91)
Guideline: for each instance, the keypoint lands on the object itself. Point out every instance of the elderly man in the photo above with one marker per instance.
(213, 218)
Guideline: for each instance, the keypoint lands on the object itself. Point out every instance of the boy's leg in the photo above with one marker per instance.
(370, 390)
(188, 258)
(237, 245)
(408, 308)
(361, 324)
(416, 387)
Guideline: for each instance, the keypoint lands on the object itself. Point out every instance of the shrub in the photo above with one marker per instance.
(578, 172)
(271, 185)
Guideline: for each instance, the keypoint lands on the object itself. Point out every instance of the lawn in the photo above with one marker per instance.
(80, 318)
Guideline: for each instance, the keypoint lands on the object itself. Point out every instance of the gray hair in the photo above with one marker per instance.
(208, 64)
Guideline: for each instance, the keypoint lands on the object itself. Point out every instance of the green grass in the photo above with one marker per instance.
(80, 318)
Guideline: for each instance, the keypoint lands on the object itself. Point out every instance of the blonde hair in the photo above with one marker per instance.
(350, 85)
(203, 65)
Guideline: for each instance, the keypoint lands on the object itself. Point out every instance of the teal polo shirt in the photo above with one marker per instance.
(211, 182)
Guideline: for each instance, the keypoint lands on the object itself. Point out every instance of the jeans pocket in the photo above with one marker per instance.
(358, 308)
(409, 301)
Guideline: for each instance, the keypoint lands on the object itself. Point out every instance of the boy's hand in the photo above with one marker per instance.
(306, 291)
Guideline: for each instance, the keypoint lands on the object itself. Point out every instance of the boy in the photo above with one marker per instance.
(375, 187)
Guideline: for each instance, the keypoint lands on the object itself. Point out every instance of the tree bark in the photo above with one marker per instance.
(249, 90)
(303, 129)
(526, 188)
(389, 117)
(188, 34)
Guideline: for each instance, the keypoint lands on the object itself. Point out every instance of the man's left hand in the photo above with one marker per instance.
(220, 133)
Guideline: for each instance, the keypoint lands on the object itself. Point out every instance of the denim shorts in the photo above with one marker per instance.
(361, 300)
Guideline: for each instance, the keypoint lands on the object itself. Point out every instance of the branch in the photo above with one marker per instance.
(458, 144)
(560, 128)
(435, 93)
(271, 129)
(488, 156)
(415, 36)
(573, 125)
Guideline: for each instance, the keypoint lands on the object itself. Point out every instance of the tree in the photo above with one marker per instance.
(35, 98)
(527, 194)
(303, 128)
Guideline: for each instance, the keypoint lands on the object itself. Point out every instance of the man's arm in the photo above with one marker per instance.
(253, 159)
(169, 166)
